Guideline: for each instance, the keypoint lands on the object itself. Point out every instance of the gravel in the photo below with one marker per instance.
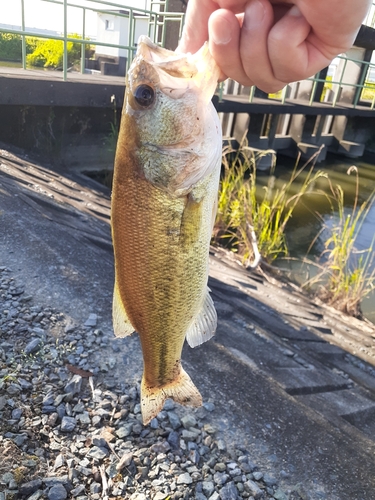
(68, 431)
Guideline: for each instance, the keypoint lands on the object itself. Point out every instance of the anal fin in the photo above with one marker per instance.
(182, 390)
(204, 325)
(121, 324)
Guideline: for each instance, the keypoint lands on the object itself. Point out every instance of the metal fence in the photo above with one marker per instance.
(157, 17)
(328, 88)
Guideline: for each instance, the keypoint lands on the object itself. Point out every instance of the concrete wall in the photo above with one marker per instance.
(69, 137)
(348, 72)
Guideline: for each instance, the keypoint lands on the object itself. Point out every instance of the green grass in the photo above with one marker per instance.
(346, 275)
(250, 220)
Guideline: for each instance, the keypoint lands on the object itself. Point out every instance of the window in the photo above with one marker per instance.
(109, 25)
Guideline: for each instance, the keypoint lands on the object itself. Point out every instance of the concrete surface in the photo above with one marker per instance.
(293, 381)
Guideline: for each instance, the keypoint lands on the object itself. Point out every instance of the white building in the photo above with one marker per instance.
(115, 28)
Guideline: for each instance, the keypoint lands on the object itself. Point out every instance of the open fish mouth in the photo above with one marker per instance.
(199, 68)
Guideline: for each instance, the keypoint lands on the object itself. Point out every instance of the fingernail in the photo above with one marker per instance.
(220, 30)
(254, 14)
(295, 12)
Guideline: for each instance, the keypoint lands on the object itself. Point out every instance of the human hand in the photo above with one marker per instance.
(269, 43)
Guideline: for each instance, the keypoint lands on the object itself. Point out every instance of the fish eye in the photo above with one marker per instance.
(144, 95)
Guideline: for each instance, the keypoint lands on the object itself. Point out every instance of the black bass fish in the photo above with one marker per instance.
(165, 185)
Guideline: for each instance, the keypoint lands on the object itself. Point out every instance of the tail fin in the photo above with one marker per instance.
(182, 390)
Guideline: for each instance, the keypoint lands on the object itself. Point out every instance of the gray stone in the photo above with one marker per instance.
(209, 406)
(59, 462)
(20, 439)
(95, 488)
(221, 445)
(3, 402)
(25, 384)
(269, 480)
(99, 441)
(235, 472)
(98, 452)
(258, 475)
(137, 429)
(215, 496)
(194, 457)
(125, 461)
(154, 424)
(184, 478)
(12, 485)
(174, 420)
(7, 477)
(57, 492)
(200, 496)
(246, 468)
(253, 489)
(124, 431)
(220, 478)
(13, 389)
(229, 492)
(84, 418)
(280, 495)
(17, 413)
(208, 488)
(74, 385)
(77, 490)
(55, 480)
(169, 405)
(220, 467)
(91, 320)
(188, 421)
(27, 489)
(33, 346)
(174, 440)
(48, 399)
(68, 424)
(35, 496)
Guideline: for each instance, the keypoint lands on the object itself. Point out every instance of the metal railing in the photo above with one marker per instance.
(156, 16)
(331, 87)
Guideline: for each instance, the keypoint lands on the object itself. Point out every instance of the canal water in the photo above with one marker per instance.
(314, 216)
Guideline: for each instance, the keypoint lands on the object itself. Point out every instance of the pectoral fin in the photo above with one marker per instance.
(121, 323)
(204, 325)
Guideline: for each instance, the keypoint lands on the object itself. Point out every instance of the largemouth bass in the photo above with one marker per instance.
(164, 195)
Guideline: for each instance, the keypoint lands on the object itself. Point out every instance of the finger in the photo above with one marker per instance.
(224, 39)
(258, 20)
(195, 31)
(291, 48)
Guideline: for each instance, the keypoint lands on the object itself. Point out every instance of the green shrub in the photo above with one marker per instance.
(10, 47)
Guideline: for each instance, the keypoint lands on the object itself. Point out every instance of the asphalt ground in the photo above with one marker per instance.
(293, 381)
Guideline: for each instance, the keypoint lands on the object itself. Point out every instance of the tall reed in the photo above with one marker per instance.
(243, 211)
(346, 275)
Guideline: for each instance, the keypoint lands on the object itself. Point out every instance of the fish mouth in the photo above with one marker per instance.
(199, 70)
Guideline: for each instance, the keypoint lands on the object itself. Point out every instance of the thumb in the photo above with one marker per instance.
(195, 31)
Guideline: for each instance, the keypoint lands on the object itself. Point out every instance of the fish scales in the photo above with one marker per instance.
(161, 227)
